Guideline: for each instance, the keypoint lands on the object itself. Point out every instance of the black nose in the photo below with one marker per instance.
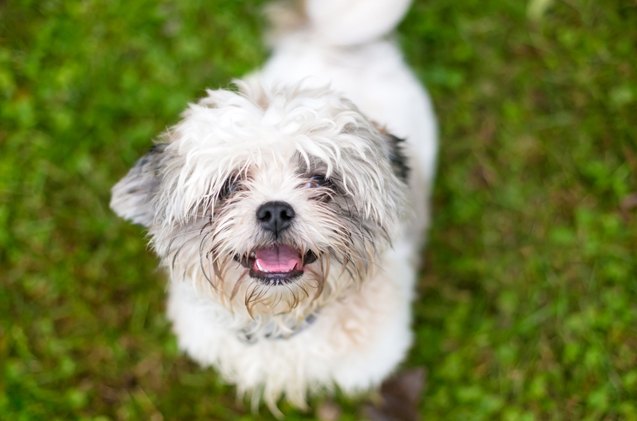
(275, 217)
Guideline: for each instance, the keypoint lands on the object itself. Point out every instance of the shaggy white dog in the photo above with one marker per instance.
(289, 213)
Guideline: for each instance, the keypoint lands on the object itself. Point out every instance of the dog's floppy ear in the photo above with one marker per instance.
(395, 152)
(397, 156)
(132, 196)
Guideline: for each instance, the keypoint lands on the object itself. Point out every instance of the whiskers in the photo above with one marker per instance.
(298, 296)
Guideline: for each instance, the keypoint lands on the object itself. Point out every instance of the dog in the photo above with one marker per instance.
(289, 212)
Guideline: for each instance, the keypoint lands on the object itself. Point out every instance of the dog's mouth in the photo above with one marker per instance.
(277, 264)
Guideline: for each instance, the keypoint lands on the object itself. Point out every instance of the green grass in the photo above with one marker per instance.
(528, 305)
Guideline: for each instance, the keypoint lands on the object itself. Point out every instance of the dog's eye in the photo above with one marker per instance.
(230, 187)
(317, 180)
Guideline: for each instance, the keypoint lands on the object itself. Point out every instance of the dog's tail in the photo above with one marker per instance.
(338, 22)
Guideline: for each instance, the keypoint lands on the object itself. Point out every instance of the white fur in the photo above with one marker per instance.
(352, 22)
(293, 112)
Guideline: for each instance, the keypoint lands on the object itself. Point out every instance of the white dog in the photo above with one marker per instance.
(288, 212)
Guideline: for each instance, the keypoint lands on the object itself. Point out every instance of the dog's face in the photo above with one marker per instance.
(276, 199)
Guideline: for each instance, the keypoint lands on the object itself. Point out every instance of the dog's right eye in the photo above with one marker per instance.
(317, 180)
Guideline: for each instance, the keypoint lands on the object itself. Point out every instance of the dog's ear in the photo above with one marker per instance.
(132, 196)
(395, 152)
(397, 156)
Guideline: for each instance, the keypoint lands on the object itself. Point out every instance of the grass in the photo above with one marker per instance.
(528, 300)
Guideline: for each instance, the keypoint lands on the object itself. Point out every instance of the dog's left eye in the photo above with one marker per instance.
(229, 188)
(317, 180)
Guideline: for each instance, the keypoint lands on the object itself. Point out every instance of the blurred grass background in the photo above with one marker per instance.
(528, 305)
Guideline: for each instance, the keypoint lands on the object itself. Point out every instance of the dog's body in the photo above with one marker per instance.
(315, 290)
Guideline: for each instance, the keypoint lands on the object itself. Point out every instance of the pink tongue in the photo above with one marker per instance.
(277, 259)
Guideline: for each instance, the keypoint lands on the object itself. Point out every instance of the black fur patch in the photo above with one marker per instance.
(398, 158)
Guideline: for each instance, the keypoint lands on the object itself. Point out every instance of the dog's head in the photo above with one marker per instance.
(277, 199)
